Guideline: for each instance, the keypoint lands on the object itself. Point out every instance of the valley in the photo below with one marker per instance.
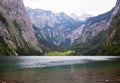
(27, 31)
(91, 36)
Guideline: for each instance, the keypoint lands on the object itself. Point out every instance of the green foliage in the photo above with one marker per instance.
(16, 25)
(3, 19)
(4, 49)
(112, 44)
(27, 51)
(56, 53)
(17, 44)
(90, 47)
(46, 46)
(22, 47)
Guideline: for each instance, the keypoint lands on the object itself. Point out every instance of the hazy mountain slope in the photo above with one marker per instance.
(16, 33)
(52, 27)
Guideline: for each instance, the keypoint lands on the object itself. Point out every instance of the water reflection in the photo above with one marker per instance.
(38, 62)
(45, 61)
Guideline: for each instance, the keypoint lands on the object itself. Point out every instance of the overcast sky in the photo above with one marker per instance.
(93, 7)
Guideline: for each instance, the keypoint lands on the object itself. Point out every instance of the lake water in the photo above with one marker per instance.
(63, 69)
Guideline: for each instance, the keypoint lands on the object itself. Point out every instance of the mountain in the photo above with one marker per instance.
(17, 35)
(83, 17)
(53, 27)
(96, 35)
(63, 30)
(100, 34)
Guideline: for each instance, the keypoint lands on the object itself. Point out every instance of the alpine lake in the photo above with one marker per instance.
(60, 69)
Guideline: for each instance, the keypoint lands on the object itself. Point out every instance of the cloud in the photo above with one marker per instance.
(78, 7)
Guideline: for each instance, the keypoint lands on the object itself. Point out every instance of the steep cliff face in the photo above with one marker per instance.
(16, 32)
(15, 10)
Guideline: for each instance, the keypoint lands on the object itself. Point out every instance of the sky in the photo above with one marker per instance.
(78, 7)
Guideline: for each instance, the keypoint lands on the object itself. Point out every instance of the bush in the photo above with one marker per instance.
(4, 49)
(3, 19)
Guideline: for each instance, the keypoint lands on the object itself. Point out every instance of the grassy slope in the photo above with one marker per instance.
(56, 53)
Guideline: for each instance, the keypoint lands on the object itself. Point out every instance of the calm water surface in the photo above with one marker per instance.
(71, 69)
